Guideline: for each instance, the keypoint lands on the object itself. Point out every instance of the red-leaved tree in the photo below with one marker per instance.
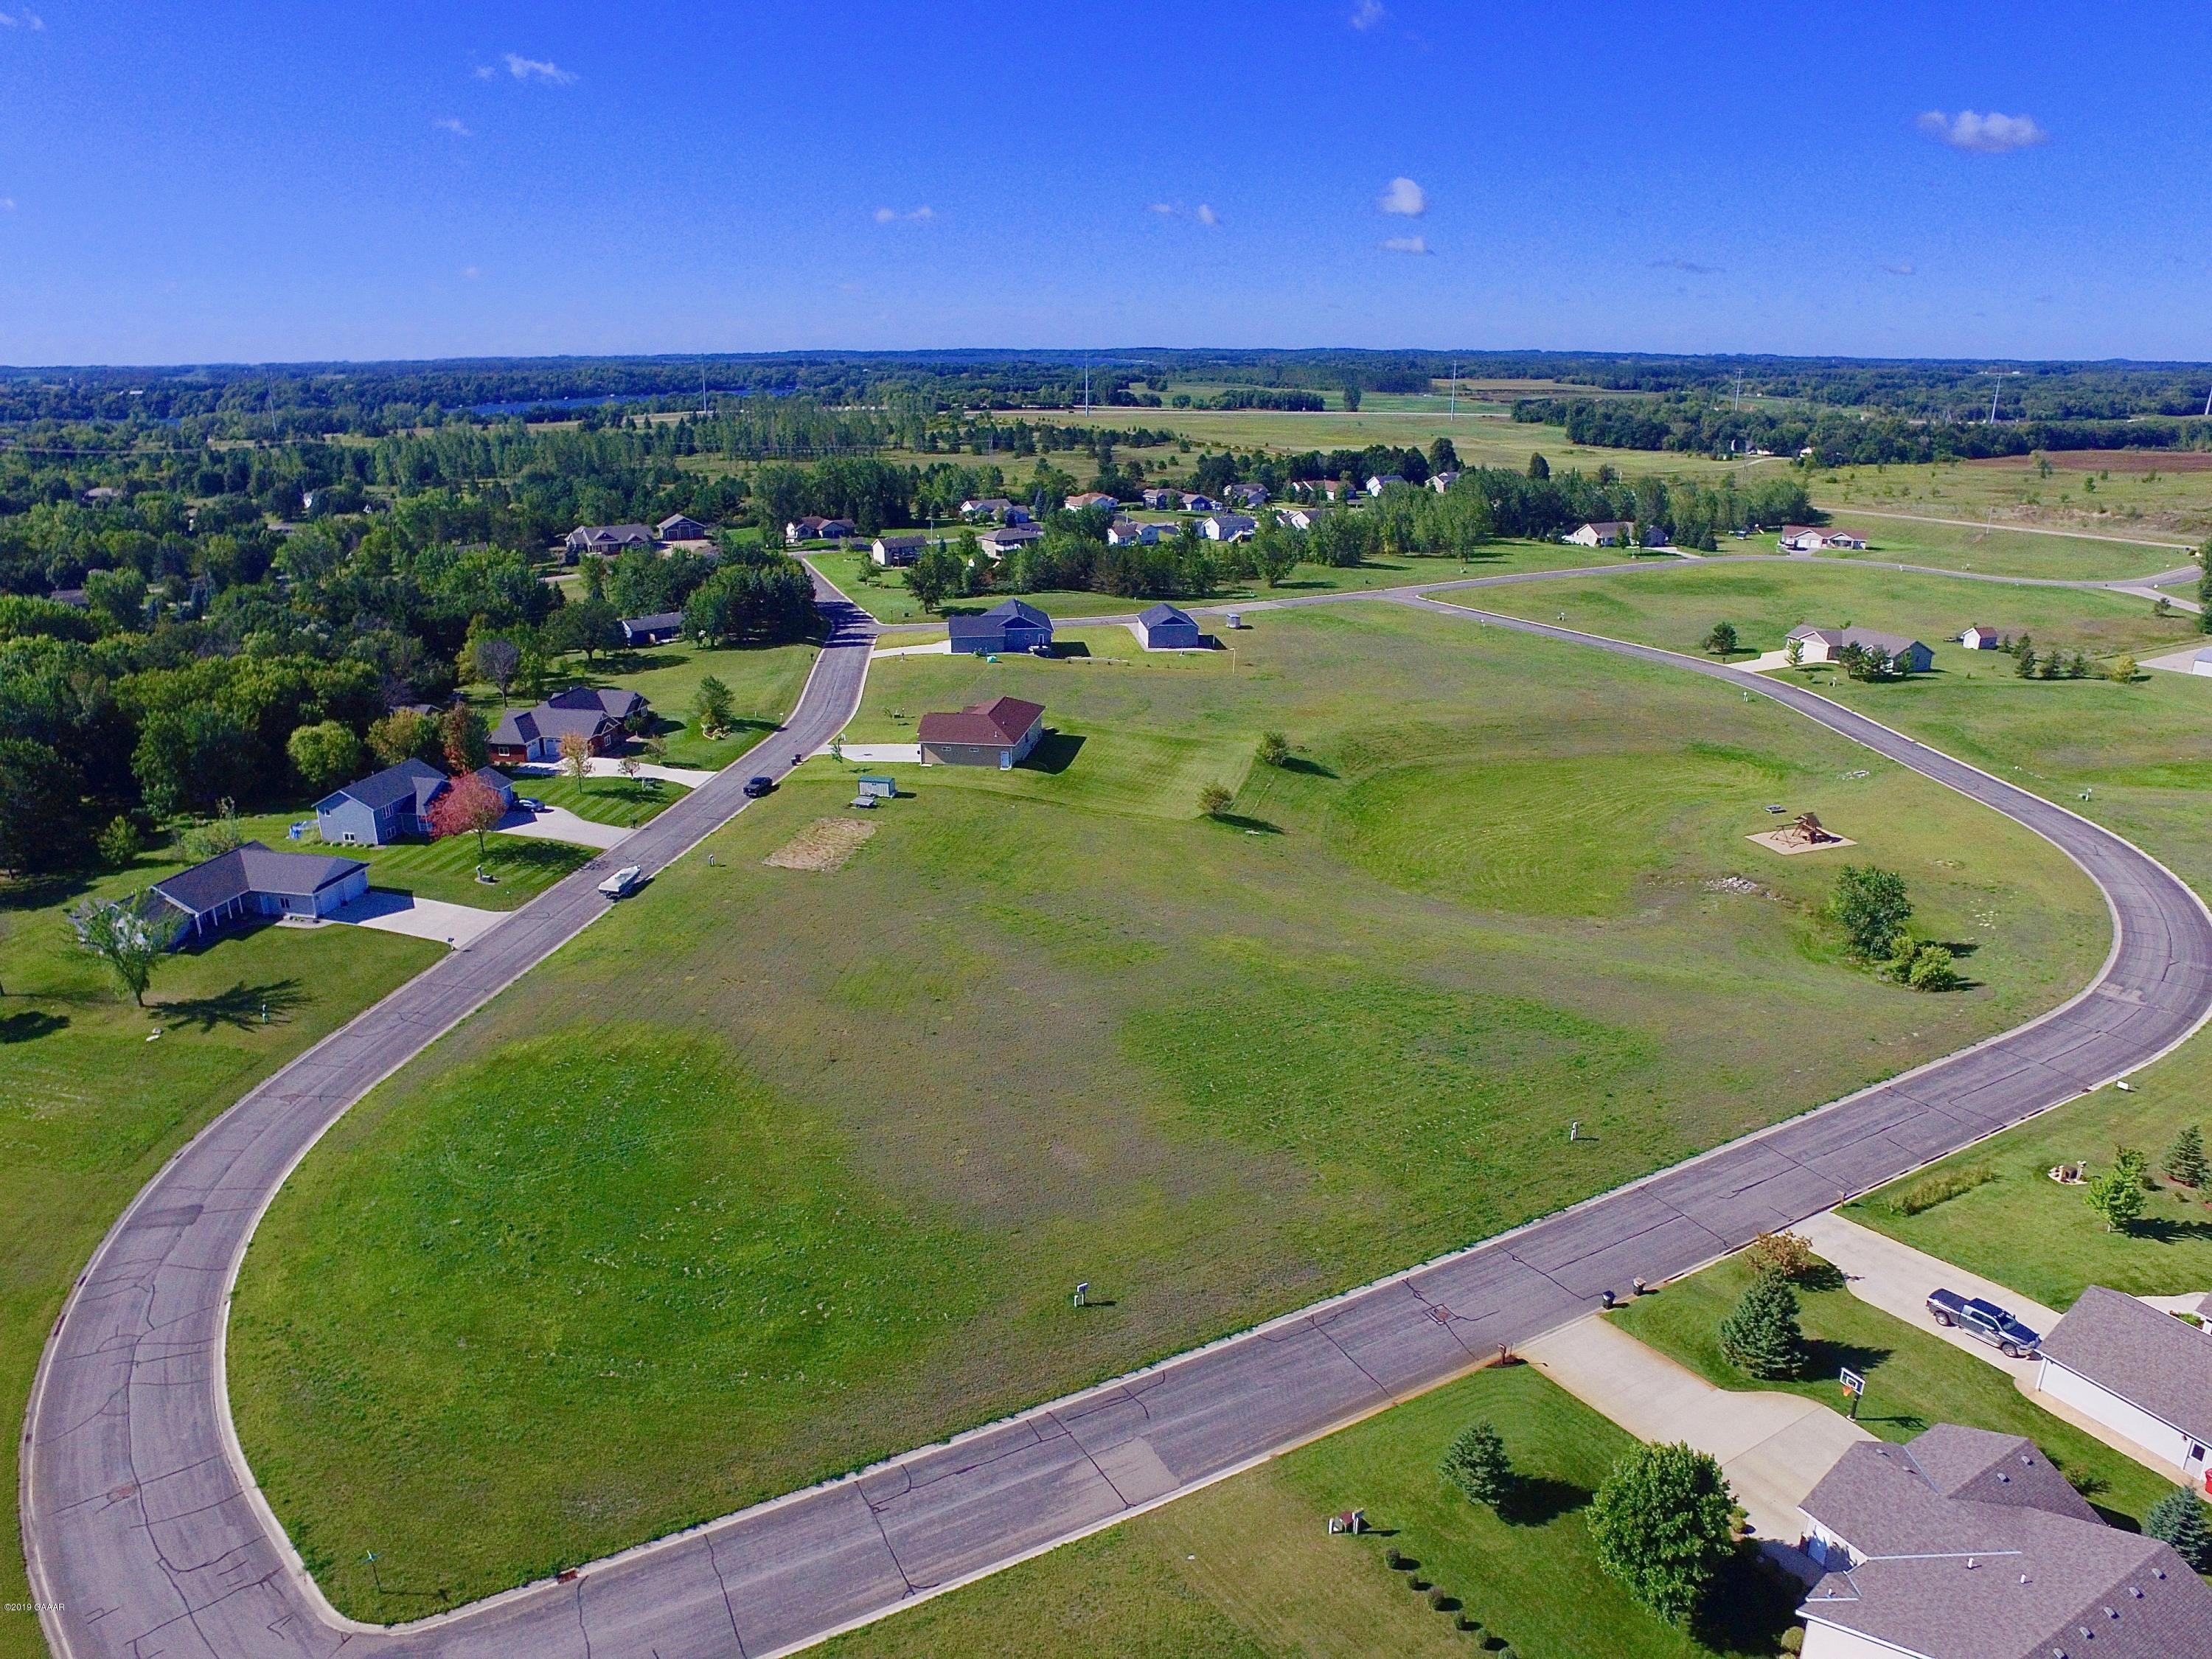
(467, 806)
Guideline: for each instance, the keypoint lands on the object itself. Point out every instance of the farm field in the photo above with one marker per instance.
(773, 1172)
(2000, 552)
(2012, 1223)
(1246, 1569)
(89, 1108)
(2142, 753)
(1914, 1379)
(2160, 495)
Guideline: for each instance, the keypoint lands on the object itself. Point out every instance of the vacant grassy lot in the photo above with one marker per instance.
(626, 802)
(1246, 1568)
(775, 1171)
(1999, 551)
(2157, 495)
(1913, 1378)
(89, 1108)
(2023, 1229)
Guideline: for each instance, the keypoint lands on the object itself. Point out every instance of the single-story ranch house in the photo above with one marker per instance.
(2141, 1372)
(606, 539)
(1376, 485)
(996, 508)
(658, 628)
(1168, 627)
(254, 881)
(391, 805)
(1810, 539)
(1129, 533)
(680, 527)
(1090, 498)
(1965, 1541)
(1827, 645)
(1600, 532)
(1000, 732)
(1008, 626)
(818, 530)
(535, 734)
(903, 548)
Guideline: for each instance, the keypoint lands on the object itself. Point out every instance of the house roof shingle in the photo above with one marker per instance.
(998, 724)
(253, 868)
(2147, 1357)
(1153, 616)
(410, 778)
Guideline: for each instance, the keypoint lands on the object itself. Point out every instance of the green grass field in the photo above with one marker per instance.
(2151, 495)
(2142, 752)
(1914, 1379)
(624, 802)
(772, 1172)
(1999, 551)
(1246, 1568)
(89, 1108)
(2021, 1228)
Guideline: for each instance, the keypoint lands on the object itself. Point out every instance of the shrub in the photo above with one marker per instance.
(2117, 1194)
(1469, 1622)
(2122, 671)
(1722, 639)
(1793, 1639)
(1932, 968)
(1439, 1601)
(1787, 1255)
(1762, 1336)
(1937, 1186)
(1274, 748)
(2177, 1519)
(1394, 1558)
(1213, 800)
(120, 842)
(1871, 906)
(1477, 1464)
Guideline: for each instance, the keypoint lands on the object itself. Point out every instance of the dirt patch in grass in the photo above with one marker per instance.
(826, 844)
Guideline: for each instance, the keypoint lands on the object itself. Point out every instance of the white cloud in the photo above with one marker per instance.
(22, 20)
(1408, 245)
(891, 215)
(1367, 13)
(537, 69)
(484, 72)
(1984, 135)
(1207, 215)
(6, 204)
(1902, 268)
(1167, 208)
(1404, 197)
(455, 125)
(471, 272)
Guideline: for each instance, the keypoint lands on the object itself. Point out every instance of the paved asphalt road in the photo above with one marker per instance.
(146, 1541)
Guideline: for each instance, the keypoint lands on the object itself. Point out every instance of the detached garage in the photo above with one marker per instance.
(2139, 1371)
(1166, 627)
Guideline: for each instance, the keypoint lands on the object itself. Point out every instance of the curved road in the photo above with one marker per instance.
(146, 1537)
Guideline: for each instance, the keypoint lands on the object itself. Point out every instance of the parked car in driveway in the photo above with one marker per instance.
(755, 787)
(530, 803)
(1984, 1321)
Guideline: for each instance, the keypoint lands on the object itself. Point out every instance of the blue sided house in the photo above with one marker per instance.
(1009, 626)
(393, 805)
(253, 880)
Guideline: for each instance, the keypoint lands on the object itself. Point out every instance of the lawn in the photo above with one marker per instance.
(1914, 1378)
(773, 1172)
(2021, 1228)
(89, 1108)
(1246, 1567)
(626, 802)
(444, 870)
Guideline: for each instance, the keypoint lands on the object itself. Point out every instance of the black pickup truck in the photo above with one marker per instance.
(1984, 1321)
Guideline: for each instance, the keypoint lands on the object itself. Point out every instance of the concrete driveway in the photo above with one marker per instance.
(880, 754)
(936, 649)
(1896, 1278)
(610, 766)
(457, 925)
(1775, 1446)
(559, 823)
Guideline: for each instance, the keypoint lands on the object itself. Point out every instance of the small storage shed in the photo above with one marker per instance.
(1168, 627)
(879, 788)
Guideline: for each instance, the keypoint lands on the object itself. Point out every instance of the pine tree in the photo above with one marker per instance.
(1762, 1336)
(2117, 1194)
(2178, 1519)
(2184, 1159)
(1477, 1464)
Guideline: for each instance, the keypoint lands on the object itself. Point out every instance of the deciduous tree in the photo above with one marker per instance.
(123, 940)
(467, 806)
(1664, 1524)
(576, 755)
(40, 826)
(324, 755)
(462, 737)
(1722, 640)
(1871, 906)
(2117, 1194)
(711, 704)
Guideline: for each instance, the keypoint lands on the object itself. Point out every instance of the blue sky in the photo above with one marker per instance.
(212, 180)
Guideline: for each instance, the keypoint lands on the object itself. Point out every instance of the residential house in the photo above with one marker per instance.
(1980, 637)
(251, 880)
(1090, 498)
(1000, 733)
(657, 628)
(1129, 533)
(1161, 500)
(2201, 662)
(1194, 502)
(605, 539)
(994, 508)
(392, 804)
(1827, 645)
(1227, 526)
(680, 527)
(1964, 1542)
(1008, 626)
(1168, 627)
(76, 598)
(1376, 485)
(1247, 496)
(818, 530)
(1321, 489)
(1811, 538)
(101, 495)
(1004, 539)
(903, 549)
(2141, 1372)
(1301, 518)
(1441, 482)
(1600, 532)
(599, 715)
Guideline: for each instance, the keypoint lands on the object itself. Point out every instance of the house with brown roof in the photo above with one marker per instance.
(1816, 645)
(902, 548)
(1964, 1544)
(600, 713)
(1090, 498)
(1000, 733)
(2139, 1371)
(605, 539)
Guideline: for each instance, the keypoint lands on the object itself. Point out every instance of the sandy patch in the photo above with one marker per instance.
(825, 844)
(1789, 844)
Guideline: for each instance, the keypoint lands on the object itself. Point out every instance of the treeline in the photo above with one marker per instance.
(1836, 438)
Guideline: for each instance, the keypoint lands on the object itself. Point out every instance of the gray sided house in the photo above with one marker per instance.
(534, 734)
(1227, 526)
(1006, 537)
(605, 539)
(1011, 625)
(900, 550)
(392, 804)
(1000, 732)
(1827, 645)
(2142, 1373)
(657, 629)
(680, 527)
(1168, 627)
(253, 881)
(1129, 532)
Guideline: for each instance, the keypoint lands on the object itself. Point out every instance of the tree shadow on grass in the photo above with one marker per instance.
(1055, 753)
(1750, 1604)
(1250, 826)
(1537, 1500)
(2160, 1231)
(240, 1007)
(30, 1025)
(1312, 768)
(40, 891)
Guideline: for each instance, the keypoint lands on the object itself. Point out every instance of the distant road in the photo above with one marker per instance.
(145, 1539)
